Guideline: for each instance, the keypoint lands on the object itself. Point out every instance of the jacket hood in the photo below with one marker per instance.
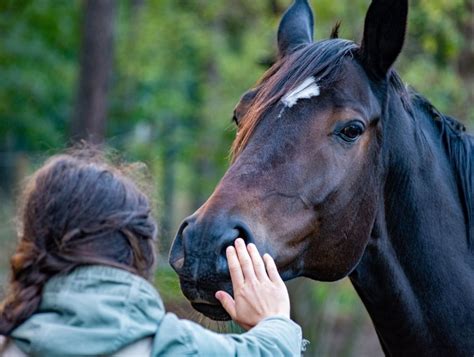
(94, 310)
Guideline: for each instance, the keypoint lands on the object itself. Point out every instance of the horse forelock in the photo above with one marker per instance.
(322, 59)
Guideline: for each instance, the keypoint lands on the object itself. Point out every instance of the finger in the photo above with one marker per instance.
(257, 262)
(227, 302)
(271, 268)
(245, 261)
(235, 270)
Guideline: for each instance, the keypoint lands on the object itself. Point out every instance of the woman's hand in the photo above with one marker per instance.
(259, 291)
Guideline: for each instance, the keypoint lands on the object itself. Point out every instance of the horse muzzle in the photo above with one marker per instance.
(198, 256)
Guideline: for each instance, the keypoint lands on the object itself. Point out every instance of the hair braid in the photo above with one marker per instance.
(26, 285)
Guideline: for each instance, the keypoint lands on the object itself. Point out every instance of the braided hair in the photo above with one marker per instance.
(77, 210)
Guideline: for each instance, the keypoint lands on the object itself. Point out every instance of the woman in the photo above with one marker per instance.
(79, 283)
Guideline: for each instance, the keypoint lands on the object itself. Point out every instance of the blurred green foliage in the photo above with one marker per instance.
(38, 65)
(167, 283)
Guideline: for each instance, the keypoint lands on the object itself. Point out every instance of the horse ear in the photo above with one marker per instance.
(296, 27)
(384, 34)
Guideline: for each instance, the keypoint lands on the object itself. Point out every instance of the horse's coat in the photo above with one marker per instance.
(366, 180)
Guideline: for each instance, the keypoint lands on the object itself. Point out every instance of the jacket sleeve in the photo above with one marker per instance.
(273, 336)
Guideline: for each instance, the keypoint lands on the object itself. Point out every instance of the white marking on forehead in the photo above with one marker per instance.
(309, 88)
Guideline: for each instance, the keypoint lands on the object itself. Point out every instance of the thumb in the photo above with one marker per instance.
(227, 302)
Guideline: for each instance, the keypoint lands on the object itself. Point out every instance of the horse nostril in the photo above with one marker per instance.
(225, 240)
(240, 230)
(229, 237)
(176, 258)
(245, 233)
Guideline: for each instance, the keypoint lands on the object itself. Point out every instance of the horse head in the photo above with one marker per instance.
(306, 176)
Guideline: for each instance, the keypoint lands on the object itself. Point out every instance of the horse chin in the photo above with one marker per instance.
(214, 312)
(201, 296)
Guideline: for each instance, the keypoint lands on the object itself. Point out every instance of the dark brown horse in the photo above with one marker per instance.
(340, 170)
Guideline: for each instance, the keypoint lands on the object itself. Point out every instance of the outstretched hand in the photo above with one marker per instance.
(259, 291)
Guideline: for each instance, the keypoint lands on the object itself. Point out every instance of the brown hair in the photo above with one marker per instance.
(77, 210)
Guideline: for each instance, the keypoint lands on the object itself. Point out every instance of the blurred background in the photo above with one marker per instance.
(157, 80)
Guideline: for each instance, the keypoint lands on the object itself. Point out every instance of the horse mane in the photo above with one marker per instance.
(321, 59)
(459, 146)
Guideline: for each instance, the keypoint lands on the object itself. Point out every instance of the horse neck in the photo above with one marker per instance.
(416, 275)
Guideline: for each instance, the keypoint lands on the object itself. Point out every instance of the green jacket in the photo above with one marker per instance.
(99, 310)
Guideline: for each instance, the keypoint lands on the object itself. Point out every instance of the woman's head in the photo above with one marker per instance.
(77, 210)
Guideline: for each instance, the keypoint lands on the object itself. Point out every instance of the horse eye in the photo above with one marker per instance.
(352, 131)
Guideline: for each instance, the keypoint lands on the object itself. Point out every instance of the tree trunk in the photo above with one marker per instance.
(466, 57)
(89, 121)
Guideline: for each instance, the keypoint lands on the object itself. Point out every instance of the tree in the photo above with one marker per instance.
(89, 121)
